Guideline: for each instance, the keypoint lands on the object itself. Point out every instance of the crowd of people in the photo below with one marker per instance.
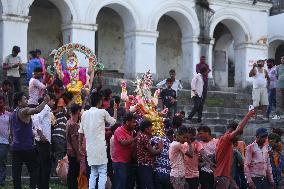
(106, 143)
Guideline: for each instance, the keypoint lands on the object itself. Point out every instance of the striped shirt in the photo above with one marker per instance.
(59, 129)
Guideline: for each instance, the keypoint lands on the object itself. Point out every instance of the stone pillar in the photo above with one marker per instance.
(245, 55)
(140, 52)
(80, 33)
(190, 57)
(14, 30)
(210, 55)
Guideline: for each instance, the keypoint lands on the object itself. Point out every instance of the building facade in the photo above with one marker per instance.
(133, 36)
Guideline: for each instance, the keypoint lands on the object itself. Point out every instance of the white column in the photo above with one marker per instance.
(245, 55)
(13, 32)
(140, 52)
(190, 57)
(80, 33)
(210, 55)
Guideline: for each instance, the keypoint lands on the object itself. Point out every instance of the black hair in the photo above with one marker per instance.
(18, 97)
(75, 108)
(117, 99)
(33, 53)
(177, 121)
(38, 51)
(232, 125)
(182, 130)
(128, 117)
(172, 71)
(52, 96)
(205, 129)
(145, 124)
(16, 49)
(2, 97)
(67, 95)
(182, 112)
(38, 69)
(96, 98)
(7, 82)
(170, 133)
(169, 80)
(278, 131)
(271, 60)
(275, 137)
(191, 130)
(107, 93)
(40, 100)
(58, 82)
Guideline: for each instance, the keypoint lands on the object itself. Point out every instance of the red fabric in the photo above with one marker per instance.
(224, 155)
(144, 157)
(122, 154)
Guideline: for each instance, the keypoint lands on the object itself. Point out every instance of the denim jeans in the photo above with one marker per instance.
(4, 148)
(121, 175)
(272, 100)
(145, 174)
(16, 83)
(162, 181)
(98, 171)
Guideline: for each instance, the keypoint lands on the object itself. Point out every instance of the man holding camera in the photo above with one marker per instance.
(260, 83)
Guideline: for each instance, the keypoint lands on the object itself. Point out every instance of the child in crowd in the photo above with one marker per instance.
(169, 96)
(178, 149)
(146, 154)
(107, 97)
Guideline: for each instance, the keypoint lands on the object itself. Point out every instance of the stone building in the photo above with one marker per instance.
(133, 36)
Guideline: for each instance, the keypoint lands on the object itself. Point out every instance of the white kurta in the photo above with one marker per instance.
(93, 127)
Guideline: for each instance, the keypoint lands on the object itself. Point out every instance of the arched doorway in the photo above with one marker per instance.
(114, 21)
(110, 46)
(279, 53)
(276, 50)
(44, 31)
(169, 48)
(228, 65)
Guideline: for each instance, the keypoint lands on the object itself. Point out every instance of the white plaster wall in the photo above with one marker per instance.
(111, 48)
(169, 52)
(44, 31)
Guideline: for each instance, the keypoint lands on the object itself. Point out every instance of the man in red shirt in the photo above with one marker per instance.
(224, 153)
(123, 145)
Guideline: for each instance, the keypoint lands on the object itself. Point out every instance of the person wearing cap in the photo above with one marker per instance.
(258, 169)
(12, 66)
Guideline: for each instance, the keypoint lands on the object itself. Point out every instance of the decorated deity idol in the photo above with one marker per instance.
(71, 77)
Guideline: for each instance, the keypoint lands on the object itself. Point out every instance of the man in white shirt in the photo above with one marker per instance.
(42, 130)
(93, 122)
(261, 81)
(176, 83)
(12, 65)
(196, 94)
